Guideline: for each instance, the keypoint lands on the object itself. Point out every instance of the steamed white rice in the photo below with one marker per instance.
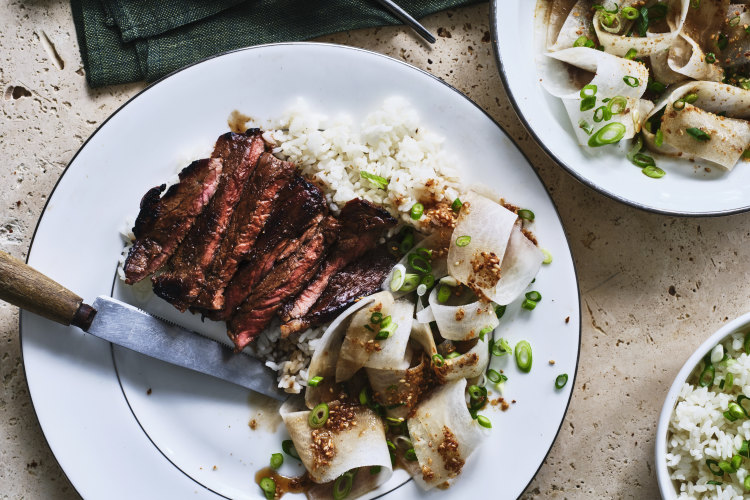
(391, 143)
(698, 430)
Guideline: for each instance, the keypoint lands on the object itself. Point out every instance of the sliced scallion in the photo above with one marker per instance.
(456, 205)
(523, 356)
(727, 467)
(526, 214)
(494, 376)
(427, 280)
(268, 486)
(746, 483)
(419, 263)
(691, 98)
(736, 462)
(484, 331)
(719, 483)
(288, 446)
(462, 241)
(534, 295)
(608, 134)
(587, 103)
(411, 282)
(410, 455)
(438, 360)
(381, 182)
(659, 138)
(547, 256)
(698, 134)
(656, 87)
(642, 160)
(364, 397)
(416, 211)
(375, 469)
(585, 126)
(583, 41)
(499, 311)
(632, 53)
(315, 381)
(735, 410)
(484, 421)
(710, 57)
(617, 105)
(444, 293)
(501, 348)
(453, 354)
(386, 331)
(713, 466)
(630, 14)
(376, 317)
(318, 416)
(561, 380)
(528, 304)
(654, 172)
(706, 378)
(588, 91)
(277, 460)
(631, 81)
(602, 114)
(397, 278)
(343, 486)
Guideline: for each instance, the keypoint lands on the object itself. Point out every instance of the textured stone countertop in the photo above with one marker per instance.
(652, 287)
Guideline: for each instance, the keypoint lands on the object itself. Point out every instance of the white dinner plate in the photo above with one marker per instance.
(188, 437)
(686, 189)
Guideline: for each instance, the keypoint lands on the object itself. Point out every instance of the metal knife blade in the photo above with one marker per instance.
(132, 328)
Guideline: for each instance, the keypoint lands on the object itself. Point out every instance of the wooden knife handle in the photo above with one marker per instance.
(27, 288)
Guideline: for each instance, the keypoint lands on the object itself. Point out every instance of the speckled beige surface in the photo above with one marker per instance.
(652, 287)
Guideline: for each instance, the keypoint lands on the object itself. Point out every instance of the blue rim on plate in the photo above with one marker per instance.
(338, 47)
(582, 179)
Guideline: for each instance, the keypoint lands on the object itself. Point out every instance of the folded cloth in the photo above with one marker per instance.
(131, 40)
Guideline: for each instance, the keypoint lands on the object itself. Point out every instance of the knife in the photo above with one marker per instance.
(132, 328)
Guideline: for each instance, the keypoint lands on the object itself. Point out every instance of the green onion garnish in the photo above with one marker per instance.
(375, 469)
(288, 446)
(642, 160)
(587, 103)
(727, 467)
(729, 381)
(484, 331)
(484, 421)
(318, 416)
(376, 317)
(494, 376)
(719, 483)
(529, 305)
(583, 41)
(656, 87)
(268, 486)
(501, 348)
(736, 462)
(343, 485)
(631, 81)
(406, 243)
(452, 355)
(735, 21)
(410, 455)
(526, 214)
(744, 449)
(364, 397)
(630, 14)
(499, 311)
(547, 256)
(617, 105)
(728, 415)
(735, 410)
(706, 378)
(710, 57)
(746, 344)
(427, 280)
(534, 295)
(722, 41)
(659, 138)
(679, 104)
(444, 293)
(630, 54)
(740, 399)
(419, 263)
(438, 360)
(654, 172)
(416, 211)
(523, 356)
(387, 330)
(462, 241)
(713, 466)
(698, 134)
(561, 380)
(746, 483)
(381, 182)
(411, 282)
(608, 134)
(588, 91)
(277, 459)
(585, 126)
(456, 205)
(315, 381)
(477, 392)
(602, 114)
(690, 98)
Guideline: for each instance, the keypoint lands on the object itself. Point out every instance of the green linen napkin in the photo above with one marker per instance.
(131, 40)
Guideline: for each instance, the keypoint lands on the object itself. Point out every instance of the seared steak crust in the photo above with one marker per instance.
(250, 217)
(362, 224)
(359, 279)
(181, 285)
(296, 212)
(163, 221)
(283, 282)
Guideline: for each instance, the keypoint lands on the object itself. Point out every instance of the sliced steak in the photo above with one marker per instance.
(362, 224)
(296, 213)
(283, 282)
(181, 285)
(250, 216)
(359, 279)
(163, 221)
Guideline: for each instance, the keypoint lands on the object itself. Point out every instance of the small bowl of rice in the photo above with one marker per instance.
(703, 437)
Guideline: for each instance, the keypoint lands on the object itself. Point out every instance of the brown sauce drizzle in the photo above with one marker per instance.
(284, 484)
